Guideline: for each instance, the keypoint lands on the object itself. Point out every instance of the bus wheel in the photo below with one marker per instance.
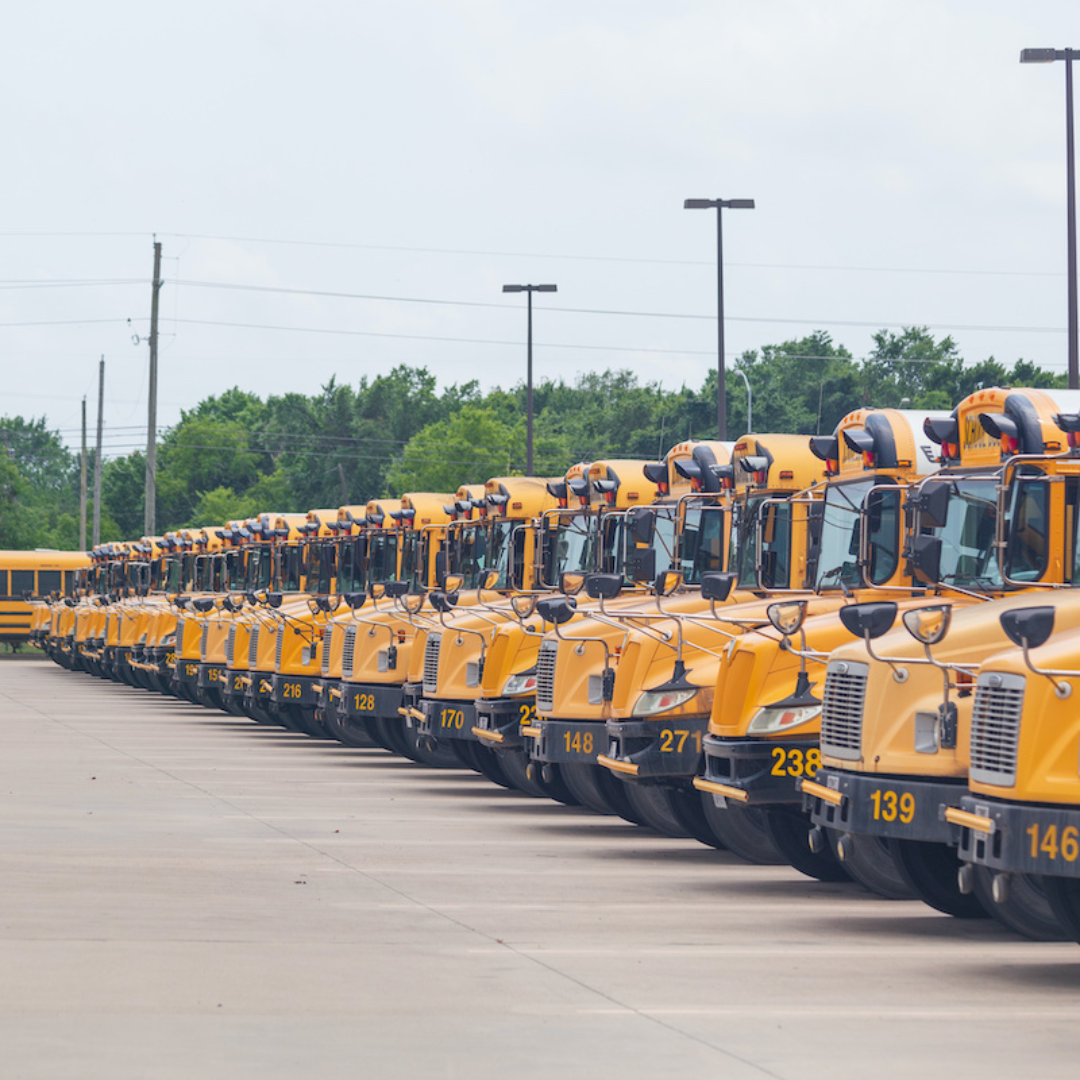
(742, 830)
(789, 830)
(581, 781)
(431, 752)
(869, 860)
(489, 765)
(302, 718)
(1064, 896)
(378, 735)
(515, 764)
(686, 806)
(652, 805)
(1024, 909)
(930, 870)
(614, 791)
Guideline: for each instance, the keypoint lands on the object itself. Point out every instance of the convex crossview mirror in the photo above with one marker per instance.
(355, 600)
(557, 609)
(603, 586)
(667, 582)
(928, 624)
(412, 602)
(788, 616)
(870, 620)
(489, 579)
(442, 601)
(1028, 627)
(571, 582)
(523, 606)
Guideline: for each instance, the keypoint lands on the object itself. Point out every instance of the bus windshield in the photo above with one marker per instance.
(775, 559)
(382, 557)
(570, 545)
(351, 566)
(701, 543)
(967, 537)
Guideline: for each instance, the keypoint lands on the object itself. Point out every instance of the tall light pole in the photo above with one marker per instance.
(719, 205)
(529, 289)
(1046, 56)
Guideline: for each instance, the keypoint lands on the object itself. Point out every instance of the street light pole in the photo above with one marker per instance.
(719, 205)
(529, 290)
(749, 402)
(1046, 56)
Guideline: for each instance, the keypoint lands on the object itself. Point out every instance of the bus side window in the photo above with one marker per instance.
(22, 581)
(4, 583)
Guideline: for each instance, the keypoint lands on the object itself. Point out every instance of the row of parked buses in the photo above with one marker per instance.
(853, 653)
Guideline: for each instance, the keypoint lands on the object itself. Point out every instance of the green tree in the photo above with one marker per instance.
(469, 448)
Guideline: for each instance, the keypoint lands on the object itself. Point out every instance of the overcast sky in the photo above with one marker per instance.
(907, 171)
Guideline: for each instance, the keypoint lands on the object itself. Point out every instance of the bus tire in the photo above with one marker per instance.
(742, 831)
(1026, 910)
(930, 870)
(869, 860)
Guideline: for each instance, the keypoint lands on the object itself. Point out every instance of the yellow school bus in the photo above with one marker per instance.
(30, 577)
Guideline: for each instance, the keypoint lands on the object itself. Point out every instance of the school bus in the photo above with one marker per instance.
(27, 578)
(1019, 827)
(996, 520)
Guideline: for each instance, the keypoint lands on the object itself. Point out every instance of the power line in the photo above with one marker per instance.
(607, 258)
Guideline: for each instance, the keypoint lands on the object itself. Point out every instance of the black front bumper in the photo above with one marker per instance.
(287, 690)
(1021, 838)
(765, 771)
(570, 742)
(655, 749)
(890, 806)
(447, 719)
(499, 721)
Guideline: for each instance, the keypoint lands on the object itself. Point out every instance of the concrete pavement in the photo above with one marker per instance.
(186, 894)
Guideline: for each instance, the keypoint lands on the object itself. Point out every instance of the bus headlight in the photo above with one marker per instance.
(657, 701)
(525, 683)
(775, 718)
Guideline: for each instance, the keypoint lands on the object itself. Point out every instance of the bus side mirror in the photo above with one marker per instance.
(642, 521)
(932, 502)
(924, 559)
(717, 585)
(440, 567)
(869, 620)
(641, 564)
(395, 589)
(489, 579)
(1028, 627)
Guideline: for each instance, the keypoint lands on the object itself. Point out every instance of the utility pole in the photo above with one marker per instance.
(150, 499)
(82, 482)
(97, 455)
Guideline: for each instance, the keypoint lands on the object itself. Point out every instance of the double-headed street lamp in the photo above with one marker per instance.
(720, 205)
(530, 289)
(1047, 56)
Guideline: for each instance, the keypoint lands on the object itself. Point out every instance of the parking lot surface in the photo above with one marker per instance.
(188, 894)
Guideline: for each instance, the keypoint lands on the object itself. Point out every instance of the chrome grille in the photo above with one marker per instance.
(202, 641)
(328, 646)
(230, 646)
(995, 728)
(842, 709)
(253, 648)
(280, 647)
(545, 675)
(431, 663)
(347, 650)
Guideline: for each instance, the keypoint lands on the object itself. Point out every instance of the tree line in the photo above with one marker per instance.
(236, 454)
